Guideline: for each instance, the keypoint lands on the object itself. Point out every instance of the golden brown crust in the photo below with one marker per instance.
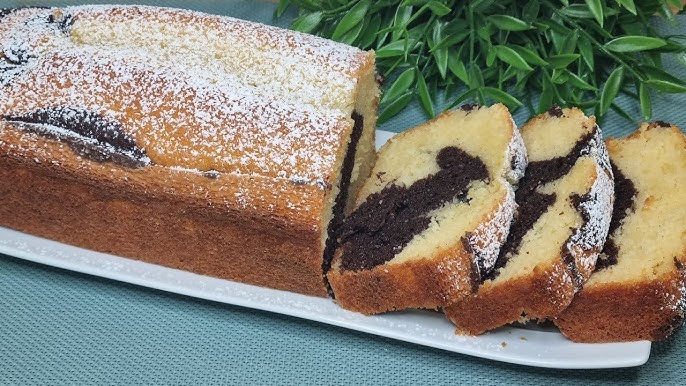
(547, 291)
(154, 215)
(243, 127)
(425, 283)
(627, 311)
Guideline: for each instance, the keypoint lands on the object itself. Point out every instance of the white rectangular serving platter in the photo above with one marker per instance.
(527, 346)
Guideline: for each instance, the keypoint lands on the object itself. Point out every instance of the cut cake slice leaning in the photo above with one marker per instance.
(638, 291)
(429, 221)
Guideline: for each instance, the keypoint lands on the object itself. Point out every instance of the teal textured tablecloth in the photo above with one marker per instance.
(61, 327)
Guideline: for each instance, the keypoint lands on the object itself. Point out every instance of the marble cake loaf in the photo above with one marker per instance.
(638, 291)
(565, 204)
(429, 221)
(197, 142)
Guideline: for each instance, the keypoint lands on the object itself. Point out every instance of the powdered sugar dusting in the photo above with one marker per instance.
(489, 235)
(516, 153)
(587, 241)
(181, 114)
(288, 65)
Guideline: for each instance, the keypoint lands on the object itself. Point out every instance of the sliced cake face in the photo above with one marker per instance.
(485, 133)
(638, 291)
(437, 197)
(564, 207)
(658, 189)
(566, 196)
(278, 113)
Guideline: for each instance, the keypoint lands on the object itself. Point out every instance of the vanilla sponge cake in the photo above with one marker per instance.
(198, 142)
(429, 220)
(638, 291)
(565, 205)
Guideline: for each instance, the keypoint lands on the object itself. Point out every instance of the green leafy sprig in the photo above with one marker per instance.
(532, 53)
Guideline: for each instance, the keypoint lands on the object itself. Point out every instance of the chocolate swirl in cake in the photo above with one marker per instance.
(532, 204)
(11, 61)
(625, 192)
(63, 21)
(87, 133)
(339, 203)
(388, 220)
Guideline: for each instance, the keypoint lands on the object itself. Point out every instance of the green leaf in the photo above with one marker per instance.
(511, 57)
(628, 5)
(529, 55)
(350, 36)
(490, 58)
(451, 40)
(569, 43)
(424, 96)
(546, 100)
(283, 5)
(393, 108)
(402, 16)
(370, 31)
(399, 86)
(441, 57)
(611, 89)
(644, 101)
(475, 79)
(577, 11)
(596, 8)
(438, 8)
(634, 44)
(307, 23)
(351, 19)
(580, 83)
(562, 60)
(661, 80)
(480, 5)
(586, 51)
(509, 23)
(666, 86)
(457, 67)
(559, 76)
(441, 54)
(502, 97)
(530, 11)
(391, 50)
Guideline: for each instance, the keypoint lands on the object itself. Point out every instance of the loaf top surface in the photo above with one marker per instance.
(191, 91)
(293, 66)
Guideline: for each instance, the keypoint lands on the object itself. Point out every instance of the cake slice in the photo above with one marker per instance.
(638, 291)
(429, 221)
(565, 204)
